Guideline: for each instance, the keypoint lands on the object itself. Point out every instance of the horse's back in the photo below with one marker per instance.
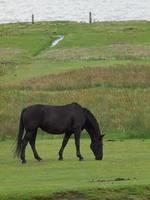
(53, 118)
(62, 118)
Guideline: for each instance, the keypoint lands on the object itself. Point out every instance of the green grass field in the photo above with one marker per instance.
(104, 67)
(125, 165)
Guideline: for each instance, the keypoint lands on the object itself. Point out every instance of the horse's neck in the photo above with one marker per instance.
(94, 134)
(92, 126)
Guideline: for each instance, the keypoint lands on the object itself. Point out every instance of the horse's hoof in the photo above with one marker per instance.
(80, 159)
(24, 161)
(39, 159)
(60, 158)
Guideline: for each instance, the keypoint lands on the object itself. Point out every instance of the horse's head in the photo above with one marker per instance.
(92, 127)
(97, 148)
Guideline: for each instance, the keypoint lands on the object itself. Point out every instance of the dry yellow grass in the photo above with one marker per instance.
(9, 52)
(118, 110)
(121, 76)
(111, 51)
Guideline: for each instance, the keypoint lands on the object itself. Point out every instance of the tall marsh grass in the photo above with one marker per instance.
(118, 111)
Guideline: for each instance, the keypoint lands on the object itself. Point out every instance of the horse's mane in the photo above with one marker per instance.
(76, 104)
(91, 122)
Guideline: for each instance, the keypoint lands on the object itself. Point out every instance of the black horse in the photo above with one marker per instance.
(69, 119)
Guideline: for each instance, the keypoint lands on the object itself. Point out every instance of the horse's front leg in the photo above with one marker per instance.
(77, 143)
(64, 143)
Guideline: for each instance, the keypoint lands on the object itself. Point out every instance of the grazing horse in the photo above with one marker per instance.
(68, 119)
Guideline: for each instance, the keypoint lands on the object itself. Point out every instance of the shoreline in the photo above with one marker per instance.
(72, 21)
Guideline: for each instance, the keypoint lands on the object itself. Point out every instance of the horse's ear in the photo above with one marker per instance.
(102, 136)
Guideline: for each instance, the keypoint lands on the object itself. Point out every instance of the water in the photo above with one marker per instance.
(74, 10)
(55, 42)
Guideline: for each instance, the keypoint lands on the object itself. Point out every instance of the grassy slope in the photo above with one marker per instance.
(49, 176)
(120, 103)
(100, 43)
(111, 62)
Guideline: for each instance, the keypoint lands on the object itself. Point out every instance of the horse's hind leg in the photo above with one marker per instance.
(25, 141)
(32, 143)
(64, 143)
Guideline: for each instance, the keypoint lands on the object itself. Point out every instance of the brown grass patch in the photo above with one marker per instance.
(69, 53)
(120, 76)
(6, 66)
(111, 180)
(64, 196)
(117, 110)
(113, 51)
(5, 52)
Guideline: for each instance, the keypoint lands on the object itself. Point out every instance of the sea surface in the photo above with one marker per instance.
(73, 10)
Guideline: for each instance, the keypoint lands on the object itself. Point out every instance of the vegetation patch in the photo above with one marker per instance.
(7, 52)
(130, 193)
(118, 95)
(120, 76)
(46, 178)
(6, 66)
(111, 180)
(125, 112)
(64, 196)
(107, 52)
(102, 66)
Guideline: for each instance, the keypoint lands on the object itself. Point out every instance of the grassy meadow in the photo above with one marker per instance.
(103, 66)
(122, 174)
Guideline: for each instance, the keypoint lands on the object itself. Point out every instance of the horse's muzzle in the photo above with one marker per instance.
(98, 158)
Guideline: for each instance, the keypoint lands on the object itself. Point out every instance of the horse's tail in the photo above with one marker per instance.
(19, 137)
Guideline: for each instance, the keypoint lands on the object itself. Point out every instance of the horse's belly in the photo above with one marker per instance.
(53, 130)
(59, 123)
